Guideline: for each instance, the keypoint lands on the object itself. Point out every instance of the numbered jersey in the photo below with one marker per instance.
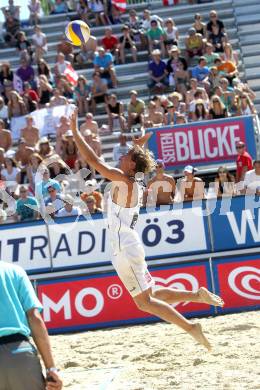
(121, 223)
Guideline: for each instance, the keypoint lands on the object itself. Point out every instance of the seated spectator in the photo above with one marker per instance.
(98, 91)
(173, 63)
(171, 35)
(57, 99)
(157, 71)
(244, 161)
(153, 118)
(45, 149)
(5, 137)
(22, 155)
(58, 168)
(40, 43)
(61, 65)
(32, 168)
(156, 37)
(200, 113)
(244, 105)
(90, 124)
(91, 206)
(82, 91)
(91, 190)
(252, 180)
(44, 69)
(240, 87)
(30, 104)
(135, 110)
(28, 91)
(181, 119)
(65, 87)
(16, 106)
(54, 198)
(35, 11)
(200, 72)
(98, 9)
(228, 54)
(11, 9)
(87, 52)
(6, 74)
(59, 7)
(30, 133)
(161, 103)
(110, 43)
(199, 26)
(193, 44)
(190, 187)
(170, 115)
(210, 55)
(215, 22)
(147, 19)
(182, 77)
(83, 10)
(23, 46)
(42, 185)
(66, 48)
(175, 98)
(214, 78)
(11, 174)
(191, 92)
(93, 141)
(227, 95)
(61, 129)
(135, 28)
(226, 69)
(26, 73)
(115, 112)
(120, 149)
(69, 149)
(3, 111)
(44, 91)
(217, 108)
(68, 210)
(26, 206)
(201, 96)
(103, 63)
(127, 43)
(12, 27)
(224, 183)
(161, 188)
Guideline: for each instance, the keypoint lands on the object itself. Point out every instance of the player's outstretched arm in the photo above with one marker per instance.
(91, 157)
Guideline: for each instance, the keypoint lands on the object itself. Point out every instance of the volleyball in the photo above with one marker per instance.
(77, 32)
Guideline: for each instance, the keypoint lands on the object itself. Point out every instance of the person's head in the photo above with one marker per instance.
(154, 24)
(200, 108)
(2, 124)
(209, 48)
(125, 29)
(6, 67)
(213, 71)
(96, 77)
(10, 162)
(217, 62)
(89, 117)
(82, 80)
(180, 119)
(21, 36)
(68, 202)
(202, 62)
(91, 203)
(63, 120)
(189, 172)
(218, 91)
(112, 99)
(223, 174)
(240, 147)
(14, 97)
(256, 166)
(156, 54)
(174, 52)
(213, 16)
(132, 14)
(35, 160)
(175, 98)
(52, 192)
(169, 23)
(151, 106)
(60, 58)
(193, 83)
(146, 14)
(23, 192)
(44, 146)
(68, 136)
(24, 63)
(133, 95)
(216, 103)
(101, 51)
(108, 32)
(197, 17)
(29, 121)
(227, 47)
(191, 32)
(224, 83)
(37, 29)
(159, 166)
(87, 134)
(56, 92)
(182, 64)
(122, 139)
(136, 160)
(244, 99)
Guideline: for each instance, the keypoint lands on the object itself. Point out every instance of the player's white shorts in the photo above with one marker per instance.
(131, 268)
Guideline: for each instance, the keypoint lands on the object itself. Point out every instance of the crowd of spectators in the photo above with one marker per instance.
(195, 79)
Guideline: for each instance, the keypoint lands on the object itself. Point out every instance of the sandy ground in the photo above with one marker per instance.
(162, 357)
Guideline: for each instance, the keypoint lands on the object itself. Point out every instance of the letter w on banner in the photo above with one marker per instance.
(120, 5)
(71, 75)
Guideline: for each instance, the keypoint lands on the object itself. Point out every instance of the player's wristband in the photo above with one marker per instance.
(51, 369)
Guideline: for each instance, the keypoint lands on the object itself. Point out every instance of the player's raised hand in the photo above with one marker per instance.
(142, 140)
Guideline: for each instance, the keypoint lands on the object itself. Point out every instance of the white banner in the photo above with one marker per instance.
(46, 120)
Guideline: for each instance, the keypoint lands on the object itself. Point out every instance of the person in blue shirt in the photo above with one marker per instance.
(103, 63)
(157, 71)
(24, 212)
(201, 73)
(41, 187)
(19, 318)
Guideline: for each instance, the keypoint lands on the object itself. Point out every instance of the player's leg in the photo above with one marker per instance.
(202, 295)
(146, 302)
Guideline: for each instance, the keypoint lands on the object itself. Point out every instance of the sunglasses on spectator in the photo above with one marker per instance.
(239, 147)
(23, 191)
(50, 191)
(222, 172)
(215, 101)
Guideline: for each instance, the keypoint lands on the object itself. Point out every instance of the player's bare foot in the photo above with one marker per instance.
(208, 297)
(197, 333)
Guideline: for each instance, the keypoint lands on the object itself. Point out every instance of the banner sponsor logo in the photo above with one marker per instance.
(238, 282)
(202, 142)
(103, 300)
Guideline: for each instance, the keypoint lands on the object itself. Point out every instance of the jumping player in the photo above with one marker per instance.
(128, 257)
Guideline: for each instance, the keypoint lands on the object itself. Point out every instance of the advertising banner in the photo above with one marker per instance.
(102, 300)
(27, 245)
(202, 143)
(164, 233)
(235, 223)
(45, 119)
(237, 281)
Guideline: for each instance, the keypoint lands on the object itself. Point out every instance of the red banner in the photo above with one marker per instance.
(102, 300)
(238, 283)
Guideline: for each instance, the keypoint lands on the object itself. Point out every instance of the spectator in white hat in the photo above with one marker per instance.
(190, 187)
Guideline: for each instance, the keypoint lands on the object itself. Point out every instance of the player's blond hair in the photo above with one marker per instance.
(143, 159)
